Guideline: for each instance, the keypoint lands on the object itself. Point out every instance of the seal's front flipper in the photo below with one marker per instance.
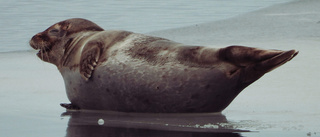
(69, 106)
(89, 60)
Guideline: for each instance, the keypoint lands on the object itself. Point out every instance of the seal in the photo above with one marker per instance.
(124, 71)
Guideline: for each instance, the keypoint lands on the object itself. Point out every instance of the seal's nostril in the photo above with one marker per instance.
(32, 44)
(36, 36)
(33, 37)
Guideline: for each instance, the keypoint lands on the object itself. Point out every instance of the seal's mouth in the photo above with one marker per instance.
(38, 43)
(42, 47)
(43, 51)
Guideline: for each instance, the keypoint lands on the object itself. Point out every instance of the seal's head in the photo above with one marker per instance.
(52, 42)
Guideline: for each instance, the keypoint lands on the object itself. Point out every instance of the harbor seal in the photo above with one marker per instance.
(124, 71)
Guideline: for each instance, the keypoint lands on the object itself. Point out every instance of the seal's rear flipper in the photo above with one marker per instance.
(69, 106)
(276, 61)
(255, 71)
(255, 62)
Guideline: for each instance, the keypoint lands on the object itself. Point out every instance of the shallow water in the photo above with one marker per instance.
(284, 102)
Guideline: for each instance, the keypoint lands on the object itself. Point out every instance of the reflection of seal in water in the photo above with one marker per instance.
(143, 124)
(125, 71)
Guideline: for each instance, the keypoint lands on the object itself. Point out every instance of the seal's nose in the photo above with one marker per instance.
(33, 39)
(37, 35)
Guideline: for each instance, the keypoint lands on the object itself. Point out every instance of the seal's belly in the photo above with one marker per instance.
(142, 87)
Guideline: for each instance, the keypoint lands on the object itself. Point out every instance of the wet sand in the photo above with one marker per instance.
(284, 102)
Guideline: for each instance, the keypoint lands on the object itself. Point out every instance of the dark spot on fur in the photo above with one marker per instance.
(188, 103)
(191, 110)
(189, 54)
(74, 66)
(204, 105)
(192, 56)
(146, 101)
(119, 37)
(115, 93)
(195, 96)
(233, 72)
(114, 53)
(44, 37)
(111, 41)
(157, 88)
(143, 49)
(67, 46)
(103, 60)
(207, 86)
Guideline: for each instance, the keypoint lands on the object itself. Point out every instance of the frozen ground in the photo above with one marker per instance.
(285, 102)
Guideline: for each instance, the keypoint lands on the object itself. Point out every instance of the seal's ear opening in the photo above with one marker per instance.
(65, 26)
(64, 29)
(62, 33)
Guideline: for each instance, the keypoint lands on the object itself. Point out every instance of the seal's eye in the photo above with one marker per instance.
(54, 31)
